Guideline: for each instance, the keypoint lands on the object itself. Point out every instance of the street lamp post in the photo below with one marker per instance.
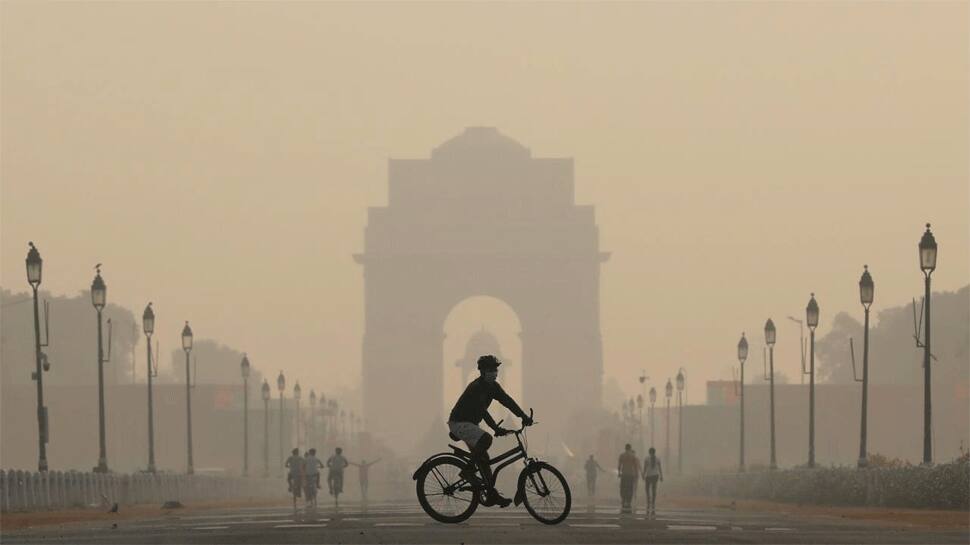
(742, 356)
(927, 262)
(187, 347)
(669, 391)
(811, 320)
(148, 325)
(653, 407)
(312, 434)
(680, 421)
(244, 368)
(770, 335)
(866, 295)
(281, 386)
(297, 393)
(99, 293)
(640, 419)
(35, 267)
(264, 390)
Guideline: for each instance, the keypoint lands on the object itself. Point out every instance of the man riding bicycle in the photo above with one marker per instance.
(470, 409)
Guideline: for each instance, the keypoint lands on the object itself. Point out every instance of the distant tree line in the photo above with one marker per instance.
(893, 355)
(73, 350)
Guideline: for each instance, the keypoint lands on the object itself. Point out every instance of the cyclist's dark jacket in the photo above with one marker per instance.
(473, 404)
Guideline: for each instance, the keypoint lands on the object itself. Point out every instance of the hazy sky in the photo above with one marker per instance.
(219, 158)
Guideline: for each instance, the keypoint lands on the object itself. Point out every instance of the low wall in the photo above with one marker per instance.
(943, 486)
(31, 491)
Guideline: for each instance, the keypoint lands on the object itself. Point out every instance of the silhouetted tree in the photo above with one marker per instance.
(893, 355)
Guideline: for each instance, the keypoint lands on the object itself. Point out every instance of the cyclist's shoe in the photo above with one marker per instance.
(494, 498)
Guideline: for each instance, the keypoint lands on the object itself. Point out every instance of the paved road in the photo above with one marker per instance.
(406, 523)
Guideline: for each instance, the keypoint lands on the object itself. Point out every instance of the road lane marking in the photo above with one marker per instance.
(594, 525)
(212, 528)
(691, 527)
(399, 524)
(778, 529)
(300, 526)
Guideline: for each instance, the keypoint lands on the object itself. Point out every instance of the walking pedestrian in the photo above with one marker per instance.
(628, 469)
(652, 473)
(592, 470)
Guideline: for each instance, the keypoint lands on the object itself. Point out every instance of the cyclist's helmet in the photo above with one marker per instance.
(488, 363)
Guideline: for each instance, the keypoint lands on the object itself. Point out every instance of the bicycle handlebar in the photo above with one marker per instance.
(521, 428)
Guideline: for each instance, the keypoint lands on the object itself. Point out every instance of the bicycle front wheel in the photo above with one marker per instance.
(443, 494)
(546, 493)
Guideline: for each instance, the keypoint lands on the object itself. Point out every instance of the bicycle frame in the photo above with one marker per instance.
(508, 457)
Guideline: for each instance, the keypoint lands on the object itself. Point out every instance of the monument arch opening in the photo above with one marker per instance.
(474, 327)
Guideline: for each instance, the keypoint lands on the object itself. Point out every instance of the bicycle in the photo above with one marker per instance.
(310, 491)
(448, 497)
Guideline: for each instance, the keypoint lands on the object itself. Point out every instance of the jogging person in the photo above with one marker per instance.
(592, 467)
(363, 468)
(296, 468)
(470, 409)
(628, 469)
(652, 472)
(335, 474)
(312, 466)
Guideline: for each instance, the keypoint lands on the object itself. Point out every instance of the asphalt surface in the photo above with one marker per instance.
(404, 522)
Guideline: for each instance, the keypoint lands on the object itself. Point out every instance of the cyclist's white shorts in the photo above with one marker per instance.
(467, 432)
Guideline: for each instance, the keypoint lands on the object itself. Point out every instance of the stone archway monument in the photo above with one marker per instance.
(480, 217)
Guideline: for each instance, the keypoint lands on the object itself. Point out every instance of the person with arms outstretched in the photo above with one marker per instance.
(470, 409)
(363, 467)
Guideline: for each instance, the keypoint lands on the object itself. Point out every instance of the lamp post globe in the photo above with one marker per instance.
(866, 287)
(35, 266)
(148, 320)
(297, 391)
(244, 366)
(99, 291)
(927, 251)
(680, 381)
(313, 397)
(669, 389)
(281, 383)
(653, 395)
(639, 401)
(742, 349)
(811, 313)
(186, 337)
(770, 333)
(265, 390)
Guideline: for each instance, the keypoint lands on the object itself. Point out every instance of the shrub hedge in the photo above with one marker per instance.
(942, 486)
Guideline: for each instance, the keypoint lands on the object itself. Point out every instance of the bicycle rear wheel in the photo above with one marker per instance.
(443, 494)
(546, 493)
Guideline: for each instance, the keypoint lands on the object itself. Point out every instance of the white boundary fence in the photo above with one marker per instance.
(27, 491)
